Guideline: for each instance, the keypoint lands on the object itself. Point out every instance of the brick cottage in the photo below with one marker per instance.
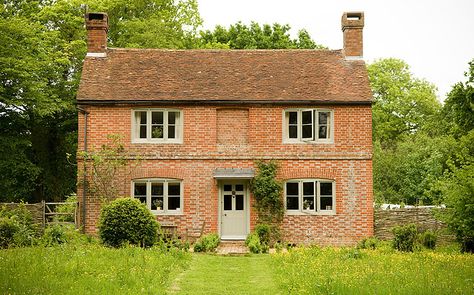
(200, 119)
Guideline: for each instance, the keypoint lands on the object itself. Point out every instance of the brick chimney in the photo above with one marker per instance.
(97, 26)
(352, 26)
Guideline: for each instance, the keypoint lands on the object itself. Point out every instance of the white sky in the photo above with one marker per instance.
(436, 38)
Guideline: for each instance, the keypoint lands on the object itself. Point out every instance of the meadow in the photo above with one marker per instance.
(382, 271)
(91, 268)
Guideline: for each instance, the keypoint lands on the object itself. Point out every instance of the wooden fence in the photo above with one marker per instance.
(45, 213)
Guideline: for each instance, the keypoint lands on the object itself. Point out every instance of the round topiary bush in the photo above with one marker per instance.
(127, 221)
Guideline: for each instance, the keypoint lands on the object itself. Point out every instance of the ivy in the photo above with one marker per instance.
(267, 193)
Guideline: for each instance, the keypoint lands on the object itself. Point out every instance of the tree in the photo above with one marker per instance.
(403, 103)
(256, 36)
(458, 107)
(42, 46)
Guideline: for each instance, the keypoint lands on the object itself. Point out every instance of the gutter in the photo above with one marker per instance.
(84, 180)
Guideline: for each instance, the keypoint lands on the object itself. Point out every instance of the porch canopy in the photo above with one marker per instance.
(234, 173)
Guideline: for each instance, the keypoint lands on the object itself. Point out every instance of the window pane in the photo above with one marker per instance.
(307, 131)
(325, 189)
(156, 203)
(239, 202)
(292, 203)
(239, 187)
(326, 203)
(227, 187)
(323, 132)
(291, 188)
(171, 132)
(156, 117)
(308, 188)
(308, 203)
(307, 117)
(227, 202)
(293, 132)
(140, 189)
(174, 203)
(142, 116)
(142, 199)
(293, 117)
(157, 132)
(174, 189)
(142, 131)
(172, 117)
(157, 189)
(323, 118)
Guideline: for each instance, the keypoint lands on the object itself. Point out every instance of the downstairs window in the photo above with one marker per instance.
(161, 196)
(310, 196)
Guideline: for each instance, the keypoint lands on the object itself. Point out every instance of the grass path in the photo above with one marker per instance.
(212, 274)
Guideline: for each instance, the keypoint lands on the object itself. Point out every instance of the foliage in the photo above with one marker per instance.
(264, 232)
(370, 243)
(458, 190)
(403, 103)
(54, 234)
(381, 271)
(458, 107)
(405, 237)
(256, 36)
(267, 193)
(16, 227)
(254, 244)
(428, 239)
(125, 221)
(207, 243)
(89, 269)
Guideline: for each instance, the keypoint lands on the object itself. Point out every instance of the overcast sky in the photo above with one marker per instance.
(436, 38)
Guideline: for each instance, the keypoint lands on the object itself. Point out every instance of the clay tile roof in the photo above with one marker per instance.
(224, 75)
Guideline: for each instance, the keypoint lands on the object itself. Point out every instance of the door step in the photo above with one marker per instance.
(232, 247)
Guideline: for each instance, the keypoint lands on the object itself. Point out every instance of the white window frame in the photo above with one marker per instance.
(165, 182)
(315, 128)
(136, 126)
(317, 197)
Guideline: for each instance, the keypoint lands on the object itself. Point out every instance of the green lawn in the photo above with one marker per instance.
(211, 274)
(93, 269)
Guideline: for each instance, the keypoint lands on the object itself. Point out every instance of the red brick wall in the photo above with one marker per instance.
(347, 161)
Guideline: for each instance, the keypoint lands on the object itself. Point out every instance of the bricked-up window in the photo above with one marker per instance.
(308, 125)
(157, 125)
(161, 196)
(310, 196)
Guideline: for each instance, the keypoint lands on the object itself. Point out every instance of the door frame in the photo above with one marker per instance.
(220, 184)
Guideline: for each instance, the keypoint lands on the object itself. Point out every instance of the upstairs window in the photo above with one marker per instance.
(308, 125)
(157, 125)
(310, 196)
(161, 196)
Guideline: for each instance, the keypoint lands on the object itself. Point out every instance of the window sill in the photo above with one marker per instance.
(305, 213)
(136, 141)
(309, 142)
(158, 213)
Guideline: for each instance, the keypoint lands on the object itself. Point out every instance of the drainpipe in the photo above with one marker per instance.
(84, 181)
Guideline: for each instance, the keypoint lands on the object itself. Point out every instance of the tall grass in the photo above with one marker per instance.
(351, 271)
(88, 269)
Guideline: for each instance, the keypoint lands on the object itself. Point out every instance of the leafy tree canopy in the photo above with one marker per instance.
(256, 36)
(403, 103)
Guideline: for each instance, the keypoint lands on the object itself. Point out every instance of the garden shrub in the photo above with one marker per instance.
(207, 243)
(263, 231)
(16, 227)
(125, 221)
(57, 234)
(253, 243)
(428, 239)
(368, 243)
(405, 237)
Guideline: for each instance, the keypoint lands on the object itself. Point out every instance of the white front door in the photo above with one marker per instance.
(233, 204)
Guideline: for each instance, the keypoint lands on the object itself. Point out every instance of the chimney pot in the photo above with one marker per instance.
(97, 25)
(352, 26)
